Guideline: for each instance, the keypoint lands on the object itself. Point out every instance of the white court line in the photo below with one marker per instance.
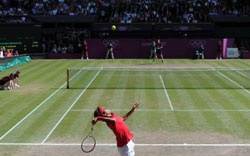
(158, 67)
(139, 145)
(233, 82)
(52, 130)
(17, 124)
(245, 75)
(166, 92)
(164, 110)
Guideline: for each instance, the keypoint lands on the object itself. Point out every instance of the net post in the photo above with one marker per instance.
(68, 78)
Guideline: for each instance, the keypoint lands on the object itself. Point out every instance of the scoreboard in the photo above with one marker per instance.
(24, 38)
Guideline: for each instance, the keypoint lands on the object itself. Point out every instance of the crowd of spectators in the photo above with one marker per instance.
(4, 52)
(243, 44)
(129, 11)
(66, 40)
(15, 19)
(64, 7)
(48, 7)
(169, 11)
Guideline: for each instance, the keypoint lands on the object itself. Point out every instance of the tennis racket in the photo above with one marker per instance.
(89, 142)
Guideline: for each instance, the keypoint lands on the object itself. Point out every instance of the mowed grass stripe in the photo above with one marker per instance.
(183, 120)
(198, 100)
(39, 72)
(17, 100)
(229, 93)
(11, 108)
(58, 107)
(238, 78)
(209, 98)
(36, 103)
(81, 121)
(243, 96)
(152, 95)
(92, 96)
(194, 98)
(40, 124)
(160, 121)
(90, 100)
(5, 95)
(227, 120)
(156, 95)
(27, 107)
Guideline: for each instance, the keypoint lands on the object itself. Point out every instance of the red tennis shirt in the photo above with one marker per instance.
(121, 131)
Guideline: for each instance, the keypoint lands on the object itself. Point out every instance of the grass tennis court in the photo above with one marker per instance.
(186, 113)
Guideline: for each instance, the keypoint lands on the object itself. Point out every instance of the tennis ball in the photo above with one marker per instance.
(113, 27)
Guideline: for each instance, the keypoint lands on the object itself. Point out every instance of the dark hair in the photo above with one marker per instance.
(97, 112)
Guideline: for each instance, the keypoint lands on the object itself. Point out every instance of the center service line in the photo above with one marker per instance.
(60, 120)
(166, 92)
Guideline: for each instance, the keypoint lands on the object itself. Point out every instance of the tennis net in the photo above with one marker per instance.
(158, 79)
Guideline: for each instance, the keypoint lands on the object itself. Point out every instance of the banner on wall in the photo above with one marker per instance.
(232, 53)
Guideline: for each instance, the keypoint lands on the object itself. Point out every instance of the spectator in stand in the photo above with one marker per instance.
(85, 50)
(4, 52)
(9, 53)
(71, 48)
(219, 50)
(62, 7)
(127, 11)
(1, 53)
(159, 11)
(43, 45)
(16, 53)
(54, 50)
(64, 49)
(59, 49)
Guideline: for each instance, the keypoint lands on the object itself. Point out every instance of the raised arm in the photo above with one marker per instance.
(105, 119)
(125, 117)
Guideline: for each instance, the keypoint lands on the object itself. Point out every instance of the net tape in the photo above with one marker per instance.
(126, 70)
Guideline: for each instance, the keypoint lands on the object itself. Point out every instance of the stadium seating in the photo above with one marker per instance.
(129, 11)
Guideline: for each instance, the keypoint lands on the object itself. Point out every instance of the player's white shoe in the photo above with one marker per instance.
(8, 88)
(17, 85)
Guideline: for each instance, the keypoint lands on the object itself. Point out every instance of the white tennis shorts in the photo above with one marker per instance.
(127, 150)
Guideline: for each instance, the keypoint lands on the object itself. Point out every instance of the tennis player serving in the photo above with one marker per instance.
(124, 141)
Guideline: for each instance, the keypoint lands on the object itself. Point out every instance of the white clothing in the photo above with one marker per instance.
(127, 150)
